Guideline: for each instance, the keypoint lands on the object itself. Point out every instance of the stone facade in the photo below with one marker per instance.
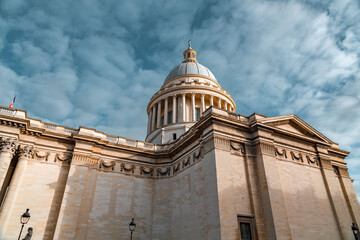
(290, 180)
(204, 172)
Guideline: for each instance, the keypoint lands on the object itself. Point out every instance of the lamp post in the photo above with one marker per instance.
(132, 226)
(25, 217)
(355, 230)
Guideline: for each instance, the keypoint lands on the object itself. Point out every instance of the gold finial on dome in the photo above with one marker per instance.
(189, 54)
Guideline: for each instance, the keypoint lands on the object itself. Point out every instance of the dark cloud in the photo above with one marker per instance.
(97, 63)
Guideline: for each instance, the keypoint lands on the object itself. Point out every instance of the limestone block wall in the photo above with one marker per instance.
(307, 203)
(100, 205)
(233, 189)
(186, 206)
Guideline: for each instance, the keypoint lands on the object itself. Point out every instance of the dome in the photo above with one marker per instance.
(190, 68)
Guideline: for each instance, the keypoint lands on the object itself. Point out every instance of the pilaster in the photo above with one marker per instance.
(272, 198)
(340, 209)
(26, 152)
(7, 150)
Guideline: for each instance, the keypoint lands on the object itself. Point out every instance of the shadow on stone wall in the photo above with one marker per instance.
(59, 187)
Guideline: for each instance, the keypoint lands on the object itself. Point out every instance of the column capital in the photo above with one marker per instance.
(8, 144)
(26, 151)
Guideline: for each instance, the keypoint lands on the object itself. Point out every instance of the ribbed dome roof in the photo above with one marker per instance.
(190, 68)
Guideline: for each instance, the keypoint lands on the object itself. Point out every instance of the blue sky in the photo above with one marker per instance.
(97, 63)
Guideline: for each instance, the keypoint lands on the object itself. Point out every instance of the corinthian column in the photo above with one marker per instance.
(7, 150)
(219, 102)
(183, 108)
(159, 115)
(202, 103)
(7, 210)
(193, 106)
(166, 112)
(174, 109)
(153, 118)
(149, 121)
(211, 100)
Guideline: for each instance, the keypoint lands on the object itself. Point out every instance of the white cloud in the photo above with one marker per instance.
(97, 63)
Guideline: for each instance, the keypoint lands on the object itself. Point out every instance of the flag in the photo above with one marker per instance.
(12, 103)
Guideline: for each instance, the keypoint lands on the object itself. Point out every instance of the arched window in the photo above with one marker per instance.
(188, 55)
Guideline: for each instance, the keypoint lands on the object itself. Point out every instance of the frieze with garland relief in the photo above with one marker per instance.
(265, 148)
(107, 165)
(41, 155)
(222, 143)
(297, 157)
(125, 167)
(151, 171)
(237, 148)
(63, 157)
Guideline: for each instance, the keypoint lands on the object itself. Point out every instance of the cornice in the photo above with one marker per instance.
(289, 133)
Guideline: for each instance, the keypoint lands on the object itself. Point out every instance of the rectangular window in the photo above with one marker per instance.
(170, 117)
(245, 231)
(247, 227)
(197, 114)
(174, 136)
(162, 121)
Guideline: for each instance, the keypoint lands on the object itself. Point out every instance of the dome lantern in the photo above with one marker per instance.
(189, 54)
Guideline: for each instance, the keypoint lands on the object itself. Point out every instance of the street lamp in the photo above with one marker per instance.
(132, 227)
(355, 230)
(23, 220)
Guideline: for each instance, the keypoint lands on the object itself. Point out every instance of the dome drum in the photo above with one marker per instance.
(188, 90)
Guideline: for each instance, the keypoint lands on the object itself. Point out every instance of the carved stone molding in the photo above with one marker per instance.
(222, 143)
(176, 168)
(8, 144)
(26, 151)
(144, 171)
(41, 155)
(311, 160)
(266, 148)
(299, 157)
(237, 147)
(84, 160)
(186, 162)
(107, 164)
(280, 153)
(28, 132)
(163, 172)
(124, 168)
(66, 158)
(196, 155)
(315, 160)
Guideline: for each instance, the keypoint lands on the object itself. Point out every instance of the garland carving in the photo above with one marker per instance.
(104, 164)
(127, 169)
(186, 162)
(65, 158)
(294, 157)
(281, 154)
(44, 156)
(143, 171)
(159, 171)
